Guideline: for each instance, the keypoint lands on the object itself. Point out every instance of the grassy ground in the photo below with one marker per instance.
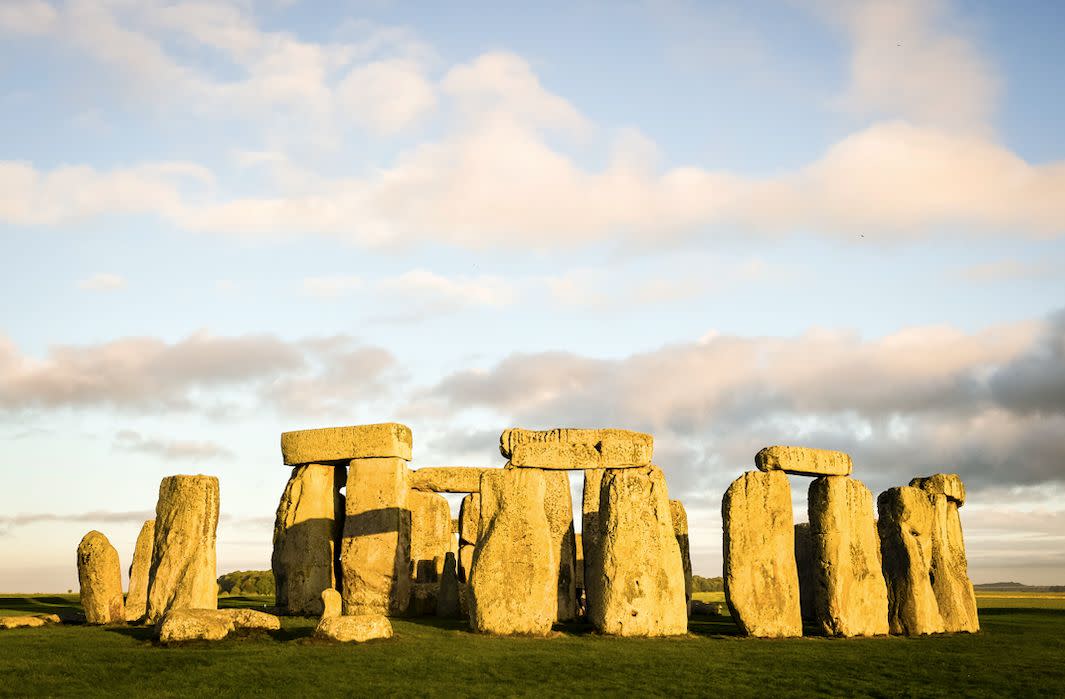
(1019, 653)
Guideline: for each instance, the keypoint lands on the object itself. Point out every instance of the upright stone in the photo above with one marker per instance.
(593, 480)
(680, 529)
(804, 565)
(183, 573)
(851, 598)
(100, 577)
(137, 597)
(578, 547)
(307, 533)
(332, 604)
(640, 577)
(469, 527)
(375, 554)
(558, 505)
(761, 579)
(803, 461)
(513, 585)
(430, 534)
(447, 599)
(576, 449)
(907, 518)
(950, 571)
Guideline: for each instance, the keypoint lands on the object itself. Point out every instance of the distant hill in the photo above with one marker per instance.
(1017, 587)
(247, 582)
(701, 584)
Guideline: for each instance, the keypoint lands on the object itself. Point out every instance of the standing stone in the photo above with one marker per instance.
(306, 534)
(578, 546)
(469, 527)
(640, 577)
(447, 599)
(950, 575)
(100, 577)
(907, 518)
(593, 480)
(851, 598)
(680, 529)
(375, 555)
(137, 597)
(514, 581)
(804, 565)
(761, 580)
(183, 574)
(332, 604)
(558, 505)
(430, 534)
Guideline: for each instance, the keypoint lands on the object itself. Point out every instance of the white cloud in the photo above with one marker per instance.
(331, 287)
(103, 282)
(387, 96)
(26, 16)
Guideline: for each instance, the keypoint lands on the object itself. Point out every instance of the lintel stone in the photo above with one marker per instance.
(447, 479)
(576, 449)
(803, 461)
(384, 440)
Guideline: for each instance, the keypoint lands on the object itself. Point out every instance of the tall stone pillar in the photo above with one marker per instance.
(558, 506)
(804, 565)
(430, 534)
(593, 480)
(469, 532)
(905, 525)
(139, 569)
(680, 529)
(100, 579)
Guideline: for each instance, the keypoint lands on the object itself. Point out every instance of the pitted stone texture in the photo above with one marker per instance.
(100, 577)
(558, 506)
(804, 565)
(907, 518)
(803, 461)
(307, 530)
(447, 479)
(430, 534)
(949, 484)
(593, 480)
(388, 439)
(332, 604)
(576, 449)
(851, 597)
(375, 555)
(640, 578)
(183, 574)
(761, 579)
(680, 529)
(212, 624)
(447, 598)
(251, 620)
(354, 629)
(514, 581)
(950, 570)
(137, 597)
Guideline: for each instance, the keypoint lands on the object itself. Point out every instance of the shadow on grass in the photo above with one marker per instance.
(139, 633)
(1016, 611)
(713, 626)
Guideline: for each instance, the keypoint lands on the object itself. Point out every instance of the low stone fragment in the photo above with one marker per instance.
(355, 628)
(194, 625)
(430, 534)
(593, 479)
(332, 604)
(389, 439)
(950, 570)
(906, 522)
(803, 461)
(680, 529)
(761, 579)
(576, 449)
(139, 569)
(948, 484)
(804, 565)
(558, 506)
(100, 578)
(447, 598)
(21, 622)
(447, 479)
(250, 619)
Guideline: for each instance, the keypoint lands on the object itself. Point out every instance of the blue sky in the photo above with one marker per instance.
(831, 223)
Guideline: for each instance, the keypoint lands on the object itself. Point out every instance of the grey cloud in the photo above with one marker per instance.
(129, 440)
(10, 522)
(1035, 381)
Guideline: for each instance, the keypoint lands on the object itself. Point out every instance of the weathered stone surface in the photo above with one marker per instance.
(470, 518)
(307, 532)
(194, 625)
(949, 484)
(851, 597)
(355, 628)
(447, 479)
(680, 529)
(558, 505)
(375, 555)
(640, 577)
(332, 604)
(388, 439)
(25, 622)
(950, 570)
(183, 574)
(447, 598)
(466, 552)
(593, 479)
(803, 461)
(804, 565)
(576, 449)
(514, 581)
(905, 525)
(100, 578)
(430, 534)
(250, 619)
(761, 580)
(139, 569)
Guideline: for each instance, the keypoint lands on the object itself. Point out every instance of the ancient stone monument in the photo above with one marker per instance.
(100, 578)
(680, 529)
(906, 520)
(469, 531)
(137, 597)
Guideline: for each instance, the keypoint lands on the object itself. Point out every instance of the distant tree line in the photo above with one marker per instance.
(247, 582)
(701, 584)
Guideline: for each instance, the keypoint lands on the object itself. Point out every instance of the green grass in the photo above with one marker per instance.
(1019, 653)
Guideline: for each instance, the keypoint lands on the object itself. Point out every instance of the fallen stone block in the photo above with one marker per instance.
(802, 461)
(355, 628)
(389, 439)
(194, 625)
(27, 621)
(576, 449)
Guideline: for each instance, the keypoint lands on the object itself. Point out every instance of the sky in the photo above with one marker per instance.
(816, 222)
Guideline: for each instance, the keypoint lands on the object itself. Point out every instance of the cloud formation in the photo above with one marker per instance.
(103, 282)
(170, 449)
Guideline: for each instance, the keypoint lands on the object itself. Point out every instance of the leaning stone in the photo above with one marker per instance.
(680, 529)
(950, 570)
(355, 628)
(384, 440)
(949, 484)
(558, 505)
(576, 449)
(100, 578)
(194, 625)
(307, 531)
(804, 565)
(905, 525)
(137, 597)
(332, 604)
(514, 581)
(640, 577)
(803, 461)
(593, 479)
(851, 598)
(250, 619)
(375, 555)
(183, 574)
(447, 479)
(430, 534)
(447, 598)
(761, 579)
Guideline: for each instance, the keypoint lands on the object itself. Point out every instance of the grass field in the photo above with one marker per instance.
(1018, 653)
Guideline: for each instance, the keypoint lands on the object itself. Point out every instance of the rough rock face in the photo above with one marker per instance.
(804, 565)
(332, 604)
(27, 622)
(514, 581)
(100, 578)
(950, 569)
(307, 531)
(851, 597)
(680, 529)
(469, 528)
(137, 597)
(905, 525)
(430, 534)
(803, 461)
(949, 484)
(250, 619)
(384, 440)
(183, 572)
(593, 479)
(375, 555)
(447, 479)
(212, 624)
(558, 506)
(761, 580)
(447, 599)
(576, 449)
(356, 629)
(640, 577)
